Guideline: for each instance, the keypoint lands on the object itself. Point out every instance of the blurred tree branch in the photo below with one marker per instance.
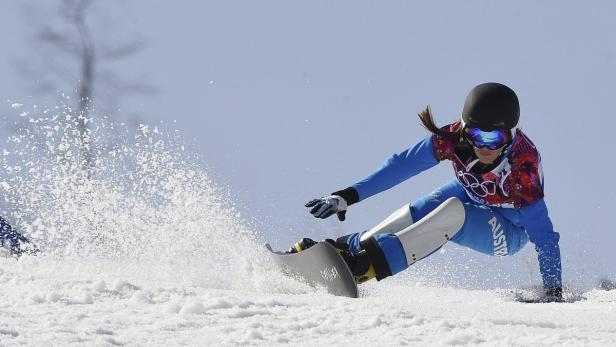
(76, 57)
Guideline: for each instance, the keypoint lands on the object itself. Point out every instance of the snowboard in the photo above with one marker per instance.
(319, 265)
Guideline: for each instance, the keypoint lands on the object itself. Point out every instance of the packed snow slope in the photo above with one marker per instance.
(48, 301)
(146, 250)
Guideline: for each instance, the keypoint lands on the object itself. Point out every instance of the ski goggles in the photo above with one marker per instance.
(491, 139)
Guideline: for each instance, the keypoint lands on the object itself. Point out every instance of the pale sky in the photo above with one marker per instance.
(290, 100)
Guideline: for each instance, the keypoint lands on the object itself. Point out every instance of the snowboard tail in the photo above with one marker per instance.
(320, 264)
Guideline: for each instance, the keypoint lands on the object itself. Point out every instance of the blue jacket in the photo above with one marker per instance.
(532, 217)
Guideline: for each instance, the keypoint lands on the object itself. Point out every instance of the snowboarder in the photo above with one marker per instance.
(14, 242)
(494, 205)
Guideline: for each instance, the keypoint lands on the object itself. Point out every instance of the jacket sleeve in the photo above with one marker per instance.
(538, 226)
(398, 168)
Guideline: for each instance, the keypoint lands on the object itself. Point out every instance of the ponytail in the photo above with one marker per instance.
(427, 121)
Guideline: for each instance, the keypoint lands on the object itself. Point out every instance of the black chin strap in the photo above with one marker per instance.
(481, 168)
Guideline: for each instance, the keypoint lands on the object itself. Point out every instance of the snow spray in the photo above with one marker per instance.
(142, 204)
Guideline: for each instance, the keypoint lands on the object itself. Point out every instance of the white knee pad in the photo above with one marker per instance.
(432, 231)
(399, 220)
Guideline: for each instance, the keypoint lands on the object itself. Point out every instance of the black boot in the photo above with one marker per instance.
(368, 259)
(359, 263)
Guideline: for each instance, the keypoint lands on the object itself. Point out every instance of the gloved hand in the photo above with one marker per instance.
(554, 295)
(326, 206)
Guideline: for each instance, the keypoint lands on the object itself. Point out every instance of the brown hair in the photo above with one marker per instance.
(427, 121)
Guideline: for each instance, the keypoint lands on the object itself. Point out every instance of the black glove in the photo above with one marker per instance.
(554, 294)
(327, 206)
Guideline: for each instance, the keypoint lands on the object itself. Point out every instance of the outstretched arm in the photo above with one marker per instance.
(538, 225)
(396, 169)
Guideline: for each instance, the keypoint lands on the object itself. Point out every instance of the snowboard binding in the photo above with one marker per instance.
(359, 264)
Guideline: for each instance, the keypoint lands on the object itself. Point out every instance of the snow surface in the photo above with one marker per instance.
(47, 301)
(151, 252)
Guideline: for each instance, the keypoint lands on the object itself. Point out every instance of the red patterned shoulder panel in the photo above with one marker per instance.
(516, 182)
(444, 145)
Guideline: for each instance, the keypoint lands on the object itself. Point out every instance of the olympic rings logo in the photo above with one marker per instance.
(480, 189)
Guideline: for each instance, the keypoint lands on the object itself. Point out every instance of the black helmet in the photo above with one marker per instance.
(491, 106)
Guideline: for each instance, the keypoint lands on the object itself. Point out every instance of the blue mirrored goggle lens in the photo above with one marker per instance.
(491, 139)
